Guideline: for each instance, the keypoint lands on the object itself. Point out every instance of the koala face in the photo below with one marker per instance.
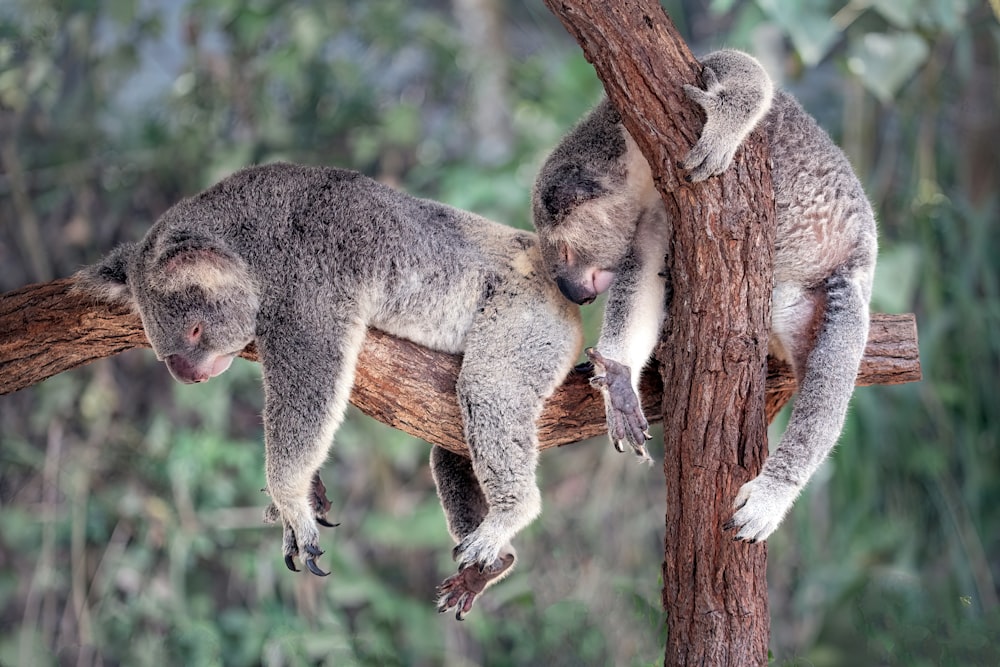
(197, 303)
(197, 300)
(584, 249)
(196, 331)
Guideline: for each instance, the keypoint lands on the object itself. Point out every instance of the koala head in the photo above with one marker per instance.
(196, 298)
(585, 226)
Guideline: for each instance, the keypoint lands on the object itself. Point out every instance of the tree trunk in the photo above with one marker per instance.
(714, 355)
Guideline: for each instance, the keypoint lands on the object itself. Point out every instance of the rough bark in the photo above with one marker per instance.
(713, 356)
(44, 330)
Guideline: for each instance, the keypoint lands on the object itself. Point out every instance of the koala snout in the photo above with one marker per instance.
(575, 292)
(595, 281)
(185, 371)
(188, 372)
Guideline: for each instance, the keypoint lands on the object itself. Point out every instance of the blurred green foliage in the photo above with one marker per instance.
(130, 511)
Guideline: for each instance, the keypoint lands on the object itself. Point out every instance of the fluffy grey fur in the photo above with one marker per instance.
(602, 224)
(302, 260)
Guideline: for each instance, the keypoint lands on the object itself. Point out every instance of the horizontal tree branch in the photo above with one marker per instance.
(45, 330)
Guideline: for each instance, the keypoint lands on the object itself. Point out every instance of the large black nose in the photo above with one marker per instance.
(576, 292)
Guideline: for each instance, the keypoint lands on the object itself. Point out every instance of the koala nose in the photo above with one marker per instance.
(575, 292)
(184, 371)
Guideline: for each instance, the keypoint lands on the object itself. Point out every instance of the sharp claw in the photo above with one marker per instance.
(314, 568)
(729, 525)
(619, 446)
(290, 564)
(326, 524)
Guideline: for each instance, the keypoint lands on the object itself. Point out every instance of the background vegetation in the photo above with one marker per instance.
(130, 508)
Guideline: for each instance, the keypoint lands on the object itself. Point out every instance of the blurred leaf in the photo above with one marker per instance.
(807, 24)
(885, 61)
(900, 13)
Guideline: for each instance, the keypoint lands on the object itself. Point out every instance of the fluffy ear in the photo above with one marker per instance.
(185, 259)
(107, 280)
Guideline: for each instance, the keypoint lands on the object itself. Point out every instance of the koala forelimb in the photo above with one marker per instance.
(602, 225)
(302, 260)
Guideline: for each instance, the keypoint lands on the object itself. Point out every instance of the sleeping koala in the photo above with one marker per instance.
(602, 226)
(302, 260)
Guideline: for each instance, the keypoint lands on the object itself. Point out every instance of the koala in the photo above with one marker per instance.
(602, 227)
(302, 260)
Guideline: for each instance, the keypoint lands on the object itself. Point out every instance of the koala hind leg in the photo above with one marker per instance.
(507, 373)
(826, 371)
(464, 507)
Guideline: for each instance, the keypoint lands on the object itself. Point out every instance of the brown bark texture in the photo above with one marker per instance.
(45, 330)
(713, 356)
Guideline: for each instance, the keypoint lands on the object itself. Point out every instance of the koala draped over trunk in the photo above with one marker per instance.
(302, 260)
(602, 226)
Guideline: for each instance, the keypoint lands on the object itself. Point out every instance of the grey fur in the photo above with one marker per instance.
(601, 221)
(302, 260)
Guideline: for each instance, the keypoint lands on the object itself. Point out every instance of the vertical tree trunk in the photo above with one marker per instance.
(713, 356)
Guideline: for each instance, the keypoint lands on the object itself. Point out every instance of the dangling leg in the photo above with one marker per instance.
(464, 507)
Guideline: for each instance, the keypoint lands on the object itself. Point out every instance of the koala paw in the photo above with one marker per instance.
(317, 499)
(300, 537)
(459, 591)
(714, 151)
(759, 507)
(626, 421)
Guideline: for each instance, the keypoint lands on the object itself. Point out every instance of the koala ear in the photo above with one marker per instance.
(107, 280)
(187, 259)
(569, 186)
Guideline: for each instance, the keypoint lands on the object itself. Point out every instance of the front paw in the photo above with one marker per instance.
(716, 147)
(626, 421)
(295, 546)
(300, 535)
(759, 507)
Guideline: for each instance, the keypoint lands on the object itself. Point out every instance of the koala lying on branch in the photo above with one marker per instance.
(603, 226)
(302, 260)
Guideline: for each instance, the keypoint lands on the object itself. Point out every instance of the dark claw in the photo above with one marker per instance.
(584, 367)
(290, 564)
(314, 568)
(314, 553)
(729, 525)
(326, 524)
